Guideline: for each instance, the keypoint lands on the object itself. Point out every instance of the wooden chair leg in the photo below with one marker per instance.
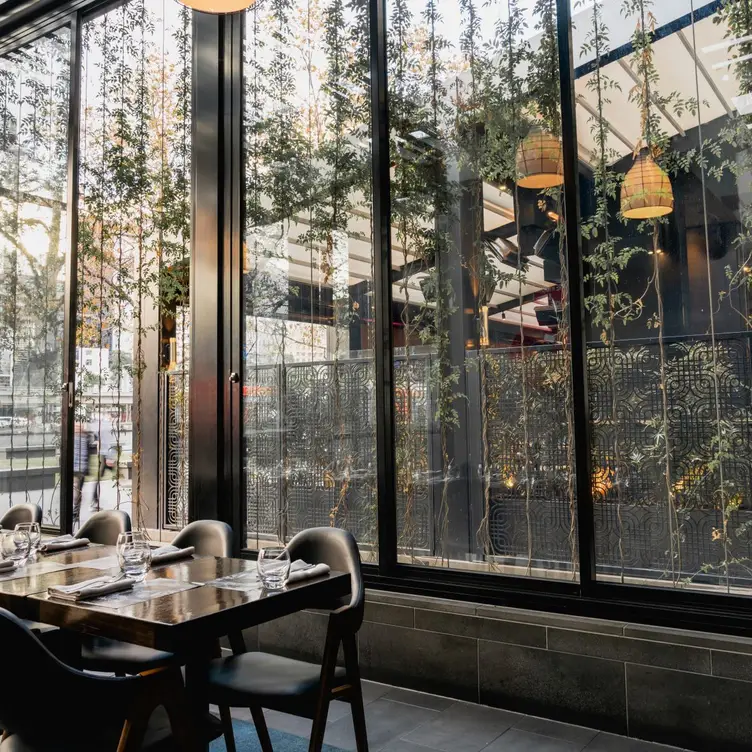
(226, 718)
(356, 693)
(328, 665)
(262, 729)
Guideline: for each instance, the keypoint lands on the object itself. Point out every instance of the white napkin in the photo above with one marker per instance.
(90, 588)
(63, 543)
(301, 570)
(167, 554)
(7, 566)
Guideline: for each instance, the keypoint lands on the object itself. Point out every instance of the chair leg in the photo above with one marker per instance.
(356, 693)
(257, 713)
(226, 718)
(328, 665)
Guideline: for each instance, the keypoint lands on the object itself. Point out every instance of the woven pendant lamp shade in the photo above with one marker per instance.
(646, 192)
(218, 6)
(540, 161)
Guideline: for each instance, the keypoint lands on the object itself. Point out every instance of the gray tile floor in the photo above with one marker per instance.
(400, 720)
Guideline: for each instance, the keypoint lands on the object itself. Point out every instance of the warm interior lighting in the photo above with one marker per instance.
(218, 6)
(485, 340)
(540, 161)
(646, 191)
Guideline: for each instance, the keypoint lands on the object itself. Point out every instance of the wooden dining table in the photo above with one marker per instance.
(189, 622)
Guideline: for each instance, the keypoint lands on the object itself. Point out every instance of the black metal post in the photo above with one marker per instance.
(578, 337)
(207, 376)
(383, 340)
(233, 507)
(68, 406)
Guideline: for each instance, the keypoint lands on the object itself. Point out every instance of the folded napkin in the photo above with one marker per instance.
(7, 566)
(90, 589)
(301, 570)
(167, 554)
(63, 543)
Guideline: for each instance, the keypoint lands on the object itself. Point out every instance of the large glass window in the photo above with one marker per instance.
(309, 401)
(483, 400)
(34, 105)
(663, 91)
(130, 445)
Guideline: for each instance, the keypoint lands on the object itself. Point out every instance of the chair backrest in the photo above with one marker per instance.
(37, 690)
(21, 513)
(208, 537)
(104, 527)
(338, 549)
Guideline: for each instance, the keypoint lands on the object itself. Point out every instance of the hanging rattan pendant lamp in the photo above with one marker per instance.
(540, 161)
(218, 6)
(646, 192)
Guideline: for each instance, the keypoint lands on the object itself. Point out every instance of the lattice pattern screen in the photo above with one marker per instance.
(308, 442)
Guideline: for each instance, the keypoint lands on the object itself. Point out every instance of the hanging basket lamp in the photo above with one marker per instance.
(540, 161)
(646, 192)
(218, 6)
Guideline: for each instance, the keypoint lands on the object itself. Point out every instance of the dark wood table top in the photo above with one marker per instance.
(175, 622)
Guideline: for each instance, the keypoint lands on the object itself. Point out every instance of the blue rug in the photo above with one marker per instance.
(246, 740)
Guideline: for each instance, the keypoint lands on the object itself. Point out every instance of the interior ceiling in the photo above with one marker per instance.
(677, 57)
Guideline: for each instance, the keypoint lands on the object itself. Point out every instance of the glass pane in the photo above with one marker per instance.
(34, 102)
(483, 394)
(665, 135)
(309, 401)
(133, 264)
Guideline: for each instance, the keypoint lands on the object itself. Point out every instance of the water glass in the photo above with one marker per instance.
(35, 535)
(134, 555)
(273, 567)
(16, 546)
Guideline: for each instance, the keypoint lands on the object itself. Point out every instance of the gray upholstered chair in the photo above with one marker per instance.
(104, 527)
(261, 680)
(209, 538)
(106, 702)
(19, 513)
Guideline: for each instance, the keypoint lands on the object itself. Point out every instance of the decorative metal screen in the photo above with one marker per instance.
(173, 465)
(309, 454)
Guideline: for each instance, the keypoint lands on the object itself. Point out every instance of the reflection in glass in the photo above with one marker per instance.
(34, 99)
(309, 402)
(134, 259)
(663, 118)
(483, 395)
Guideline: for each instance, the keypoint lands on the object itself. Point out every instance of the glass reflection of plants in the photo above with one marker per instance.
(34, 96)
(480, 109)
(308, 181)
(134, 211)
(698, 480)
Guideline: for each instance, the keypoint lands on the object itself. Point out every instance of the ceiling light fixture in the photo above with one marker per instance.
(540, 160)
(218, 6)
(646, 192)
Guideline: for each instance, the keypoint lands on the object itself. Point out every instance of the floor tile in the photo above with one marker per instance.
(400, 745)
(517, 740)
(373, 690)
(386, 721)
(612, 743)
(421, 699)
(563, 731)
(463, 728)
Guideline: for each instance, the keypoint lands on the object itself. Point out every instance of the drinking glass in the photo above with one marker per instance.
(16, 546)
(273, 567)
(35, 535)
(134, 554)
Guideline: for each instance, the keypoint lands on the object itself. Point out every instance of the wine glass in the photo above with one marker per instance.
(16, 546)
(274, 567)
(134, 554)
(35, 535)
